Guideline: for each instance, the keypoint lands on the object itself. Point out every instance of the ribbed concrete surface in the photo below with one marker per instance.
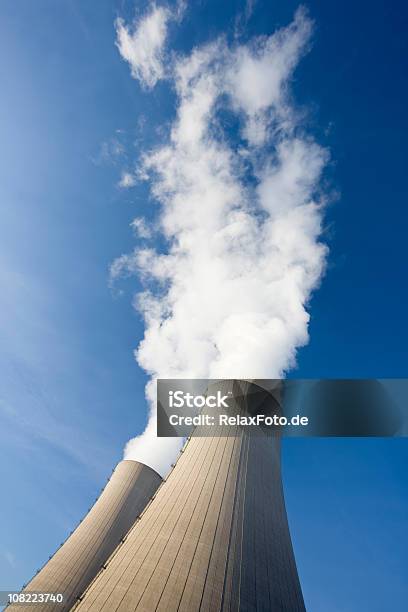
(215, 538)
(76, 563)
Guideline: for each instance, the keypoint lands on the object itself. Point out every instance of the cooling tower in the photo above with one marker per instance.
(76, 563)
(215, 538)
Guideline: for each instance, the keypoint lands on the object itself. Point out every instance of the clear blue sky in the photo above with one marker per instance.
(71, 393)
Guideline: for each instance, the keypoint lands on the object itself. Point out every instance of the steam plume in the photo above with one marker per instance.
(241, 211)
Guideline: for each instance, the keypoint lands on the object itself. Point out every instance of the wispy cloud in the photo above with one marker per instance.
(127, 180)
(10, 558)
(242, 18)
(42, 425)
(32, 414)
(141, 228)
(110, 151)
(241, 216)
(142, 44)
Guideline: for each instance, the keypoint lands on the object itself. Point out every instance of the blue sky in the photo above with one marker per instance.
(71, 392)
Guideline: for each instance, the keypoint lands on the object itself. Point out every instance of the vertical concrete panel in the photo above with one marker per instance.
(76, 563)
(109, 589)
(215, 537)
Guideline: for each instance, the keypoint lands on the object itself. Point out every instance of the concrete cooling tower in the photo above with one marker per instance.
(80, 558)
(216, 536)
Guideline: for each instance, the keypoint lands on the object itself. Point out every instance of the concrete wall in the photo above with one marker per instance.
(215, 537)
(76, 563)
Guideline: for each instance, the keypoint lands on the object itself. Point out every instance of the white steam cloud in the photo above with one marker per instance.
(241, 211)
(142, 44)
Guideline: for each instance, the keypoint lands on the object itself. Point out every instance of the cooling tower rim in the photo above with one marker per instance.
(140, 463)
(266, 384)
